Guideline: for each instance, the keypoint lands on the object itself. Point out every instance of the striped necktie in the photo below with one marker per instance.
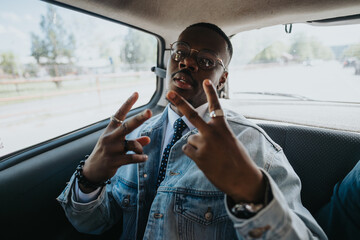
(179, 127)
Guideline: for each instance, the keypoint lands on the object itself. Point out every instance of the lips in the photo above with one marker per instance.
(183, 80)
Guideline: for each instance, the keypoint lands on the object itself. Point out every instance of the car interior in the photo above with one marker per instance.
(31, 178)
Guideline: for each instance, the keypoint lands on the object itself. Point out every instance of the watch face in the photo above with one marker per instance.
(246, 210)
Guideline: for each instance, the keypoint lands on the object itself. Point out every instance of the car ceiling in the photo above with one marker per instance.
(167, 18)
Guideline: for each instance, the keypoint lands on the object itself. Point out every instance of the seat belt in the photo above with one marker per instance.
(160, 72)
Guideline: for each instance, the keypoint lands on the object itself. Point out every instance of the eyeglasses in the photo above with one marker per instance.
(205, 59)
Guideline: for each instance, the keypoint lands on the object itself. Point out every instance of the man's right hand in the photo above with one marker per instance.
(110, 151)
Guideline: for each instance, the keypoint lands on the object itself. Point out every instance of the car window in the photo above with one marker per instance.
(308, 59)
(61, 70)
(309, 76)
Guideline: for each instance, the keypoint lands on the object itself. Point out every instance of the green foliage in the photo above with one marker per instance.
(300, 49)
(30, 70)
(138, 48)
(248, 45)
(272, 53)
(8, 63)
(352, 51)
(304, 48)
(55, 45)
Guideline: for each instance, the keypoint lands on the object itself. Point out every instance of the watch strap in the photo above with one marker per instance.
(247, 210)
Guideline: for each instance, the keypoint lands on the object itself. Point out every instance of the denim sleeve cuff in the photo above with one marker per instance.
(82, 197)
(69, 195)
(270, 222)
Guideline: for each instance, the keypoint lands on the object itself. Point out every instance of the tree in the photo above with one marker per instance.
(321, 51)
(273, 53)
(301, 48)
(138, 48)
(304, 48)
(8, 63)
(55, 46)
(352, 51)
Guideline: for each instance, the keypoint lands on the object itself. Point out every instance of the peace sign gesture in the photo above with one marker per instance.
(110, 151)
(218, 153)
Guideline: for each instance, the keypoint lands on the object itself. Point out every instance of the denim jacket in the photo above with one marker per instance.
(187, 205)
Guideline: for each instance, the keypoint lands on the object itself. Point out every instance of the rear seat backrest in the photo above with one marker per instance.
(320, 157)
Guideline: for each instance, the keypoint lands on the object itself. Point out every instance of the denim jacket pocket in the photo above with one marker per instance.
(126, 197)
(203, 216)
(125, 194)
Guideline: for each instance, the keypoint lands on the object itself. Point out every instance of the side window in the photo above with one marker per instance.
(61, 70)
(310, 76)
(313, 62)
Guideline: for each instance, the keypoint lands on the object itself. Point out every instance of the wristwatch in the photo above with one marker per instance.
(246, 210)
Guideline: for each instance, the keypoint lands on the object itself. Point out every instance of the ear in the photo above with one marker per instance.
(222, 80)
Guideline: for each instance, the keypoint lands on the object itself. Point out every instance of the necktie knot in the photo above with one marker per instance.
(179, 126)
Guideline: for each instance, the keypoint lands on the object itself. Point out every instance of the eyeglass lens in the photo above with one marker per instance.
(205, 59)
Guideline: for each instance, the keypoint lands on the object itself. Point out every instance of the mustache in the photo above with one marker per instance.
(184, 71)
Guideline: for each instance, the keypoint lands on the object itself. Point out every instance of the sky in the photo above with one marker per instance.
(17, 24)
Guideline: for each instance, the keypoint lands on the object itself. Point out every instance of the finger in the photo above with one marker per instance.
(129, 125)
(195, 140)
(134, 145)
(131, 145)
(124, 109)
(190, 151)
(185, 108)
(131, 158)
(211, 95)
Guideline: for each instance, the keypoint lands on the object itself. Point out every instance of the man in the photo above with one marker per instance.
(176, 189)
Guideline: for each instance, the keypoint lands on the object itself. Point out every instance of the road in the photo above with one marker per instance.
(323, 81)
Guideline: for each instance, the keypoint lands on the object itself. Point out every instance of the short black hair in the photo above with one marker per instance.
(217, 30)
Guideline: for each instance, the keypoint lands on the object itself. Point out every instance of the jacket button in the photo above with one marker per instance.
(208, 216)
(145, 175)
(126, 200)
(258, 232)
(158, 215)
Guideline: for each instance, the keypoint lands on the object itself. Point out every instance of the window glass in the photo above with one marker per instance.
(61, 70)
(311, 63)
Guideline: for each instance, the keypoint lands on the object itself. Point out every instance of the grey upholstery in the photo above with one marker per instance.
(320, 157)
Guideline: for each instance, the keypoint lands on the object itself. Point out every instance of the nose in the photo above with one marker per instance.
(189, 62)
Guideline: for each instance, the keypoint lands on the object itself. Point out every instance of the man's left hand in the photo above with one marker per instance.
(218, 153)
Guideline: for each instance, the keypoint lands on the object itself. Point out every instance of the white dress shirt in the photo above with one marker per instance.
(172, 117)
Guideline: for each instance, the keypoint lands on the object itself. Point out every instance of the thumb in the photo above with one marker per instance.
(190, 151)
